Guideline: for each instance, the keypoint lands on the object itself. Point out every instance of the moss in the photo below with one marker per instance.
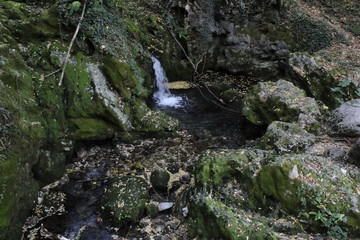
(211, 219)
(273, 181)
(120, 75)
(81, 99)
(214, 169)
(91, 128)
(18, 189)
(14, 10)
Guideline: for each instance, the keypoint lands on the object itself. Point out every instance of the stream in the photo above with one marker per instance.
(203, 126)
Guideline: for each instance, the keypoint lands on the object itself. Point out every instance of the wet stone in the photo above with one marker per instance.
(159, 179)
(124, 200)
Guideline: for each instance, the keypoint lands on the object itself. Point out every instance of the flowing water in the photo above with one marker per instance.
(163, 96)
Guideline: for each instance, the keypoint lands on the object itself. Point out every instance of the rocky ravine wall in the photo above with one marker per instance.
(103, 96)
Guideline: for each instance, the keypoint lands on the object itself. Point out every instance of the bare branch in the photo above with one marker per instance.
(71, 43)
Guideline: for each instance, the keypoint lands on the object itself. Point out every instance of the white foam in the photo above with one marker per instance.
(163, 96)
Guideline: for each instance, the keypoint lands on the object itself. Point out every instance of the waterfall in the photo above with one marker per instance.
(163, 96)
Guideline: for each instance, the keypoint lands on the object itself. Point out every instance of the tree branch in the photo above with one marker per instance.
(72, 43)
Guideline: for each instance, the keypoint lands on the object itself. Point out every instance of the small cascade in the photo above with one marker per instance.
(163, 96)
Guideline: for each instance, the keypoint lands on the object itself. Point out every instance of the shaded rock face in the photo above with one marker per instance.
(354, 154)
(242, 54)
(124, 201)
(268, 102)
(345, 120)
(93, 103)
(314, 78)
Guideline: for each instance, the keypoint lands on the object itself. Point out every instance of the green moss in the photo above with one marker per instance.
(18, 189)
(211, 219)
(120, 75)
(81, 99)
(91, 128)
(273, 181)
(214, 169)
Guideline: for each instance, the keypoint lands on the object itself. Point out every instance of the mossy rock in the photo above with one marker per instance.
(315, 79)
(124, 200)
(301, 183)
(92, 129)
(82, 102)
(286, 138)
(159, 179)
(211, 219)
(215, 168)
(147, 120)
(18, 188)
(280, 101)
(120, 75)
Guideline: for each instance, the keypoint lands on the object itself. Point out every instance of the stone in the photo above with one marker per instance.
(124, 200)
(314, 78)
(354, 154)
(159, 180)
(211, 219)
(319, 181)
(345, 120)
(281, 101)
(286, 138)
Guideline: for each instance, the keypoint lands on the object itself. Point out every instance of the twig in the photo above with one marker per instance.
(71, 44)
(50, 74)
(182, 48)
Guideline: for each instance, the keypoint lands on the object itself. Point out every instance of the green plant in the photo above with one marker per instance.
(74, 7)
(320, 213)
(328, 219)
(346, 90)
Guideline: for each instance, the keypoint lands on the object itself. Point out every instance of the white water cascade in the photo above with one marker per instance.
(163, 96)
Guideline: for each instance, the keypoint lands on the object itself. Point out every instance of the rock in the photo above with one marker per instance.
(317, 81)
(124, 200)
(159, 179)
(281, 101)
(345, 120)
(286, 138)
(215, 168)
(180, 85)
(319, 182)
(354, 154)
(164, 206)
(211, 219)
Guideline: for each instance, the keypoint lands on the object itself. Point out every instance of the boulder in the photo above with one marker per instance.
(211, 219)
(304, 183)
(345, 120)
(281, 101)
(124, 200)
(317, 80)
(354, 154)
(286, 138)
(159, 179)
